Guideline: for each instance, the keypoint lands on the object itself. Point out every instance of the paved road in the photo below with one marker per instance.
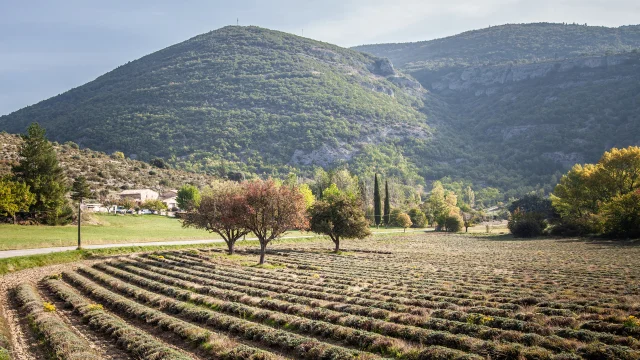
(24, 252)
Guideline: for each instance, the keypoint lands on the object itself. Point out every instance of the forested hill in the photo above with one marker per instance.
(511, 43)
(509, 106)
(528, 101)
(238, 98)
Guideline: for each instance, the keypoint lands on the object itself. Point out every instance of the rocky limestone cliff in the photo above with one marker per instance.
(481, 79)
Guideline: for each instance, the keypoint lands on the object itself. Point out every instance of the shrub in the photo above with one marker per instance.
(95, 307)
(478, 319)
(526, 225)
(453, 223)
(631, 322)
(159, 163)
(118, 155)
(418, 218)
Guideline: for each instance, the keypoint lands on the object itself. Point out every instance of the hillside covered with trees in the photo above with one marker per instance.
(238, 98)
(526, 101)
(504, 110)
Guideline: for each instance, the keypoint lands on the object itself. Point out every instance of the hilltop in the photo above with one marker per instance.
(510, 43)
(105, 173)
(238, 98)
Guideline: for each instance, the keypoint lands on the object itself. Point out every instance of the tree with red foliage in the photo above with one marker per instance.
(272, 210)
(221, 210)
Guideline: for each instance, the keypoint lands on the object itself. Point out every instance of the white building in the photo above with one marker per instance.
(139, 196)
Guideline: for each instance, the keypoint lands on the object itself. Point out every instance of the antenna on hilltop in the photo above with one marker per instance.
(237, 21)
(302, 32)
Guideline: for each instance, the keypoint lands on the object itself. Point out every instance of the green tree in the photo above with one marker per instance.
(79, 191)
(418, 218)
(306, 192)
(452, 223)
(154, 205)
(588, 197)
(437, 205)
(622, 216)
(39, 169)
(393, 217)
(188, 197)
(377, 203)
(14, 197)
(338, 216)
(387, 204)
(126, 203)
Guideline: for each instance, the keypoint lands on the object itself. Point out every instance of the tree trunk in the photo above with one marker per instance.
(263, 249)
(14, 219)
(231, 245)
(337, 242)
(405, 230)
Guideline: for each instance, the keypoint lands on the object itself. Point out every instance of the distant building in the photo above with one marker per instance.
(94, 207)
(169, 198)
(169, 194)
(139, 196)
(171, 203)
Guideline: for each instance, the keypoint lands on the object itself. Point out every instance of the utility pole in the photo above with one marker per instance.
(79, 220)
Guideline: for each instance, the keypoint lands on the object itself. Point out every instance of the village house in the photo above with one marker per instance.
(170, 199)
(139, 196)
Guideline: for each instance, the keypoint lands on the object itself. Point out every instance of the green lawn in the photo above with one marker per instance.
(113, 230)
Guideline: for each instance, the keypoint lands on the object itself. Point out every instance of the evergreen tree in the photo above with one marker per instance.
(387, 205)
(80, 189)
(39, 169)
(377, 203)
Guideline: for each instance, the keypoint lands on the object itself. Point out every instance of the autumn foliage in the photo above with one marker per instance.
(601, 198)
(222, 211)
(263, 208)
(272, 210)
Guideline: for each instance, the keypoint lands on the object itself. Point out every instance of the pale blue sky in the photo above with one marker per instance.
(48, 47)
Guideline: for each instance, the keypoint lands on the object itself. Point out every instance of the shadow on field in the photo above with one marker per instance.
(606, 242)
(582, 240)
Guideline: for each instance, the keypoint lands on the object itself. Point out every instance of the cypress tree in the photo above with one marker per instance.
(377, 203)
(39, 168)
(387, 205)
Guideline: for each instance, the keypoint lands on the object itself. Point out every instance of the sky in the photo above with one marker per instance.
(48, 47)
